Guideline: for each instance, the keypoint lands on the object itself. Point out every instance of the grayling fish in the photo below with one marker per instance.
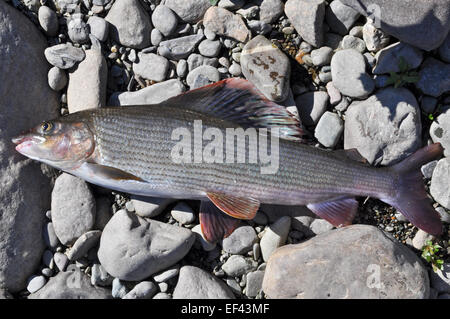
(130, 149)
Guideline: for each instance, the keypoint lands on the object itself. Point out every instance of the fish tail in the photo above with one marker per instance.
(411, 198)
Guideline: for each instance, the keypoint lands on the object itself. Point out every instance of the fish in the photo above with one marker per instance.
(130, 149)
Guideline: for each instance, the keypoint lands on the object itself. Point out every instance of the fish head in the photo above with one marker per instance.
(59, 143)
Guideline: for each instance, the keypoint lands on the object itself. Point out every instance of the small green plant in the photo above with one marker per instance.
(403, 76)
(430, 252)
(213, 2)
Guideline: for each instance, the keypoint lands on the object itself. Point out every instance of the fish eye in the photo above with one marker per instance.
(46, 127)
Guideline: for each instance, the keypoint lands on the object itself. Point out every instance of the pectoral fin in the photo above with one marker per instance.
(109, 172)
(339, 212)
(214, 223)
(237, 207)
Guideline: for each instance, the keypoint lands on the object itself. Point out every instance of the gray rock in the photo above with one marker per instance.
(83, 244)
(50, 238)
(444, 50)
(357, 31)
(440, 280)
(73, 208)
(320, 226)
(182, 68)
(70, 285)
(35, 283)
(351, 42)
(249, 11)
(270, 10)
(329, 129)
(64, 56)
(307, 18)
(275, 236)
(311, 106)
(119, 290)
(87, 83)
(165, 20)
(179, 48)
(224, 22)
(385, 128)
(388, 59)
(374, 38)
(210, 35)
(238, 265)
(130, 24)
(259, 27)
(428, 104)
(340, 17)
(77, 29)
(427, 169)
(348, 70)
(420, 239)
(206, 71)
(422, 23)
(151, 67)
(99, 276)
(440, 131)
(195, 283)
(231, 4)
(267, 67)
(143, 290)
(235, 69)
(321, 56)
(342, 106)
(162, 295)
(333, 93)
(103, 212)
(332, 40)
(57, 79)
(61, 261)
(132, 248)
(183, 213)
(167, 274)
(48, 21)
(308, 270)
(33, 5)
(240, 241)
(254, 283)
(434, 77)
(99, 28)
(195, 60)
(209, 48)
(156, 37)
(439, 183)
(153, 94)
(190, 11)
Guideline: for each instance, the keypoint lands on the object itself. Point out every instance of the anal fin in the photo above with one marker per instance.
(214, 223)
(339, 212)
(237, 207)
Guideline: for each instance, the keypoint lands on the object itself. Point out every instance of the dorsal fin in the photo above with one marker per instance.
(238, 101)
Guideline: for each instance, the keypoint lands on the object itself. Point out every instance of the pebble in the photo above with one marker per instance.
(35, 283)
(206, 71)
(190, 11)
(333, 93)
(374, 38)
(151, 67)
(163, 287)
(275, 236)
(167, 274)
(50, 238)
(182, 68)
(64, 56)
(340, 17)
(387, 59)
(342, 106)
(149, 207)
(439, 183)
(427, 169)
(162, 295)
(179, 48)
(183, 213)
(238, 265)
(165, 20)
(195, 60)
(57, 78)
(99, 276)
(420, 239)
(445, 217)
(231, 4)
(248, 11)
(77, 29)
(83, 244)
(206, 245)
(156, 37)
(47, 272)
(240, 241)
(61, 261)
(357, 31)
(270, 10)
(311, 106)
(235, 69)
(440, 131)
(254, 283)
(48, 21)
(209, 48)
(325, 77)
(143, 290)
(321, 56)
(348, 70)
(225, 23)
(99, 28)
(320, 226)
(259, 27)
(434, 77)
(256, 249)
(118, 289)
(351, 42)
(329, 129)
(210, 35)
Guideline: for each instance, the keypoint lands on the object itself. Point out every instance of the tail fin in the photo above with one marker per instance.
(411, 199)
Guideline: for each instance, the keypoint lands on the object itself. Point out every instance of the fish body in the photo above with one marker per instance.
(130, 149)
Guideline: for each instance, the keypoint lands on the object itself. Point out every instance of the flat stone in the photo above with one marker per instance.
(240, 241)
(238, 265)
(254, 283)
(48, 21)
(190, 11)
(64, 56)
(267, 67)
(151, 66)
(275, 236)
(99, 28)
(207, 71)
(321, 56)
(333, 93)
(340, 17)
(209, 48)
(329, 129)
(179, 48)
(439, 183)
(311, 106)
(143, 290)
(183, 213)
(434, 77)
(440, 131)
(35, 283)
(388, 59)
(224, 22)
(82, 245)
(270, 10)
(165, 20)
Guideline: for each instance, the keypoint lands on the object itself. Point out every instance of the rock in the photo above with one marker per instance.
(388, 59)
(237, 265)
(270, 10)
(440, 280)
(36, 283)
(267, 67)
(87, 83)
(195, 283)
(342, 106)
(275, 236)
(374, 38)
(33, 5)
(329, 129)
(235, 69)
(167, 274)
(143, 290)
(207, 71)
(151, 67)
(440, 131)
(308, 270)
(190, 11)
(348, 70)
(423, 23)
(152, 94)
(351, 42)
(50, 238)
(209, 48)
(156, 37)
(427, 169)
(311, 106)
(434, 77)
(321, 56)
(200, 238)
(183, 213)
(70, 285)
(259, 27)
(99, 28)
(320, 226)
(130, 24)
(357, 31)
(332, 40)
(73, 208)
(428, 104)
(385, 128)
(444, 50)
(179, 48)
(340, 17)
(240, 241)
(61, 261)
(165, 20)
(99, 276)
(249, 11)
(254, 283)
(195, 60)
(231, 4)
(182, 68)
(420, 239)
(119, 290)
(307, 18)
(333, 93)
(162, 295)
(132, 248)
(224, 22)
(439, 183)
(64, 56)
(77, 29)
(48, 21)
(103, 212)
(83, 244)
(57, 79)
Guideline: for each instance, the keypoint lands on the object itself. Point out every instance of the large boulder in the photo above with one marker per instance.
(25, 100)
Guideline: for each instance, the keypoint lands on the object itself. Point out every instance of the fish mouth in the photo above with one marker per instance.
(24, 141)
